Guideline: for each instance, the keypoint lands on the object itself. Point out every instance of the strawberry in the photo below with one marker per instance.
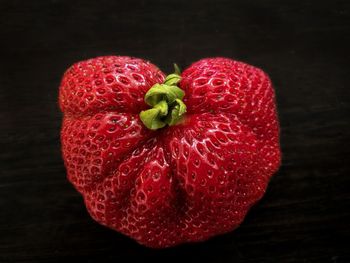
(168, 159)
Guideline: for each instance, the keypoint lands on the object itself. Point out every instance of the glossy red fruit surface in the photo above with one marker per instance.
(178, 184)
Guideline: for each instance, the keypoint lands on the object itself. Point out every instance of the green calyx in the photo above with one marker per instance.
(166, 100)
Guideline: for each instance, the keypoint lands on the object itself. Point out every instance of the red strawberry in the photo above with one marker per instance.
(191, 175)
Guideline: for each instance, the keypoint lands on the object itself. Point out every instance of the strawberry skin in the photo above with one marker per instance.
(182, 183)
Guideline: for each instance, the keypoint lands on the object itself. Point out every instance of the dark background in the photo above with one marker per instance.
(303, 45)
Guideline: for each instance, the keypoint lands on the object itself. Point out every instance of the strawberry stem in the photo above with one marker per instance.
(166, 101)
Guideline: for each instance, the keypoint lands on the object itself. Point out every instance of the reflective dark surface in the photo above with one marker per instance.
(303, 45)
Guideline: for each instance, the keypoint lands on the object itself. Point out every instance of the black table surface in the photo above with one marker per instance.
(303, 45)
